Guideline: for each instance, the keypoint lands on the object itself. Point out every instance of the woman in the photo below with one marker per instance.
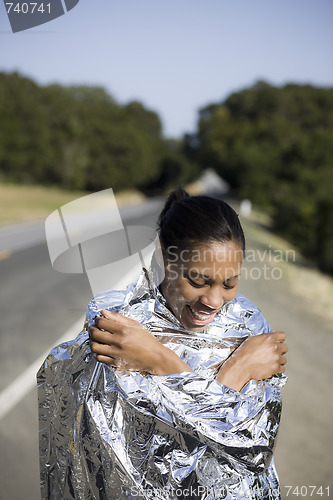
(186, 400)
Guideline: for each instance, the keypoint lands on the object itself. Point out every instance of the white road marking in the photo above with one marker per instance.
(25, 382)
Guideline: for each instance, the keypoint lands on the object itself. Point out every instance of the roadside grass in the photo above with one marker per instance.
(305, 280)
(21, 203)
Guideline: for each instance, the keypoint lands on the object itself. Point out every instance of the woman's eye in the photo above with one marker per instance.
(194, 283)
(229, 287)
(230, 284)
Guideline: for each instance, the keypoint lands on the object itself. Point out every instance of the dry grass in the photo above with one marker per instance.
(307, 282)
(33, 203)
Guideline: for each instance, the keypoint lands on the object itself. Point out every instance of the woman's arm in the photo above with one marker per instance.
(124, 343)
(258, 358)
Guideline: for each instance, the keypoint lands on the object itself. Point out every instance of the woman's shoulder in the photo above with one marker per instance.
(245, 302)
(249, 314)
(109, 299)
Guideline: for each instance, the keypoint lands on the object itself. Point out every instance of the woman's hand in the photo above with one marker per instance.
(257, 358)
(124, 343)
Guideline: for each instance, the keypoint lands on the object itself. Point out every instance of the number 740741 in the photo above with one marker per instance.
(28, 8)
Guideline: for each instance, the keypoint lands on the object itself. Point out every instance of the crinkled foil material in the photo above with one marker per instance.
(110, 434)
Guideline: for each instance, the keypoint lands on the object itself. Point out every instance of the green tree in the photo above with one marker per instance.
(274, 146)
(78, 137)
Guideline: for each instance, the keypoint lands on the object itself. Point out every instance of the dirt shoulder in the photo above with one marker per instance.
(298, 300)
(21, 203)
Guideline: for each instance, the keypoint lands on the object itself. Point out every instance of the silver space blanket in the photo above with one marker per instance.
(116, 435)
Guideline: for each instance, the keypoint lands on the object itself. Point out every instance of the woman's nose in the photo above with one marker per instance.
(213, 297)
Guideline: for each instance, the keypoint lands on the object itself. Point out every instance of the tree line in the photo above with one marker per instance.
(273, 145)
(78, 137)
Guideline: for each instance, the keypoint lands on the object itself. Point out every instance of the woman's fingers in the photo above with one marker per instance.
(107, 314)
(117, 318)
(126, 342)
(282, 348)
(107, 354)
(120, 318)
(94, 333)
(107, 360)
(100, 336)
(262, 355)
(114, 330)
(117, 325)
(103, 349)
(278, 336)
(283, 360)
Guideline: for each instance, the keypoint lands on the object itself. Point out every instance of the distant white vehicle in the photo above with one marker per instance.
(245, 208)
(211, 182)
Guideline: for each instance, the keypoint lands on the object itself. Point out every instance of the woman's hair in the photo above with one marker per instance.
(191, 221)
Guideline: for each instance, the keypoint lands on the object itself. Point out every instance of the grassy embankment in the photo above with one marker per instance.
(34, 203)
(304, 279)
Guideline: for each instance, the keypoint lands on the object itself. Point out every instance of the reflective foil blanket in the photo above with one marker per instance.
(111, 434)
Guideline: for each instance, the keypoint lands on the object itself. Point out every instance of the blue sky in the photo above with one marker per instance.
(176, 56)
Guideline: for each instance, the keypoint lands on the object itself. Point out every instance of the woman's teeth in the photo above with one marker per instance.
(202, 316)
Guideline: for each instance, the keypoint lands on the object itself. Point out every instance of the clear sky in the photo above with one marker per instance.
(176, 56)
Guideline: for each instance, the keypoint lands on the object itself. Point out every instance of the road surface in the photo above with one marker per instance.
(38, 305)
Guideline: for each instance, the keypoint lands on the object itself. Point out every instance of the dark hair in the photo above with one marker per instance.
(189, 221)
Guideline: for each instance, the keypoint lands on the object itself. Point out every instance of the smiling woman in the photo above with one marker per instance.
(185, 401)
(203, 244)
(196, 291)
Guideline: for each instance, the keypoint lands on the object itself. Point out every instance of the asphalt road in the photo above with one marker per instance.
(38, 304)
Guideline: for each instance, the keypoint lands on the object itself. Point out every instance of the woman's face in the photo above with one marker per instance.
(199, 281)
